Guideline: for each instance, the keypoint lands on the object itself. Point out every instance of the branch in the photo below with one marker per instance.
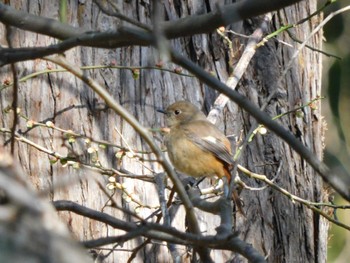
(160, 180)
(77, 163)
(227, 14)
(191, 25)
(111, 39)
(124, 36)
(161, 232)
(37, 24)
(116, 13)
(115, 239)
(312, 205)
(91, 67)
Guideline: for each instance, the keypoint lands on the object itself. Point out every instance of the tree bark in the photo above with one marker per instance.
(281, 230)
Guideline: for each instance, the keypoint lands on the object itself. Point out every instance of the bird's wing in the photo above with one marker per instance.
(212, 140)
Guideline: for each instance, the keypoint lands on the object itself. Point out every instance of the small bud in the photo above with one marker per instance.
(110, 186)
(7, 81)
(222, 29)
(178, 70)
(160, 64)
(135, 73)
(76, 165)
(313, 106)
(126, 198)
(262, 130)
(50, 124)
(299, 114)
(91, 150)
(119, 154)
(113, 62)
(53, 160)
(30, 124)
(112, 179)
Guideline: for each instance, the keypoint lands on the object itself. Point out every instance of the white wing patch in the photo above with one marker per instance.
(212, 144)
(210, 139)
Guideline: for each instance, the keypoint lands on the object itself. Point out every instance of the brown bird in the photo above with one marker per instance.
(195, 146)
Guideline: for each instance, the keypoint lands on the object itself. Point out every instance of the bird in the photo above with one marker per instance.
(195, 146)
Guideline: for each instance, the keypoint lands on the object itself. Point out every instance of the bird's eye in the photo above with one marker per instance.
(177, 112)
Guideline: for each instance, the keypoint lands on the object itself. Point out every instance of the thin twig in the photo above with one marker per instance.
(169, 234)
(292, 197)
(186, 26)
(116, 13)
(71, 162)
(93, 67)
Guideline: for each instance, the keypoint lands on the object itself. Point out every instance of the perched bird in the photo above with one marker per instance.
(195, 146)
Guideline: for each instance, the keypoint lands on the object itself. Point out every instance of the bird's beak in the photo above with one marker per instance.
(161, 111)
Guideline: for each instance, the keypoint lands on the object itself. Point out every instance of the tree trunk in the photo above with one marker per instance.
(278, 228)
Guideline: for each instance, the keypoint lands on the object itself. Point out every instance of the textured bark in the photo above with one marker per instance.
(278, 228)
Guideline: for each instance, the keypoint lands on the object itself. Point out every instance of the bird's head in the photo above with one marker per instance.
(182, 112)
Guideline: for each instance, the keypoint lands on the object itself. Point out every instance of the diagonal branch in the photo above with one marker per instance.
(124, 36)
(42, 25)
(191, 25)
(110, 39)
(225, 15)
(340, 184)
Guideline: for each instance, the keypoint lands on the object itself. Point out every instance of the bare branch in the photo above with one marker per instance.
(191, 25)
(116, 13)
(110, 39)
(124, 36)
(42, 25)
(160, 232)
(312, 205)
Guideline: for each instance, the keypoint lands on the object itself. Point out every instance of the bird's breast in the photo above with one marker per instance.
(188, 158)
